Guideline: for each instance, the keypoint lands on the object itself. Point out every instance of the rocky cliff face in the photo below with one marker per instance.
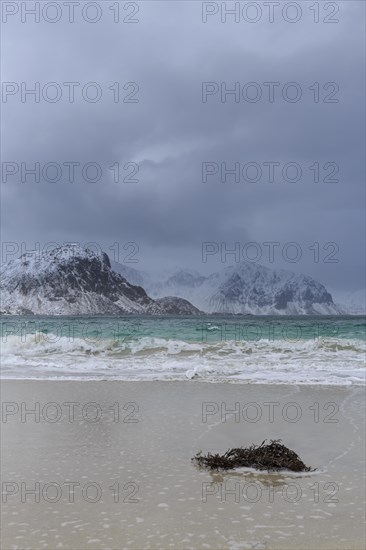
(71, 281)
(177, 306)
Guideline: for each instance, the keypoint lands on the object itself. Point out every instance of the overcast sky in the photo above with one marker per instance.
(169, 212)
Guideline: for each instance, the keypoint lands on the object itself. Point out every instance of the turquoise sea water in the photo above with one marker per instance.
(326, 350)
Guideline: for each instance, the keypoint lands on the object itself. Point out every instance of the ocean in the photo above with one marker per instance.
(237, 349)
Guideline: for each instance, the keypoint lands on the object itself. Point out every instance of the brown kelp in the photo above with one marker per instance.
(272, 457)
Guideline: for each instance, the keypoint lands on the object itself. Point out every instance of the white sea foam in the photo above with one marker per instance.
(330, 361)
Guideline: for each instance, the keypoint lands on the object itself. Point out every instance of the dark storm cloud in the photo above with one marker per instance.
(170, 132)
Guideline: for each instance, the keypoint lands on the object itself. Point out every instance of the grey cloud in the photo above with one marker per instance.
(170, 132)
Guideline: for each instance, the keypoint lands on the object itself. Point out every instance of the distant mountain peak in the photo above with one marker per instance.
(247, 288)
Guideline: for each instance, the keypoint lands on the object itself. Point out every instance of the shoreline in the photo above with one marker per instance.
(234, 382)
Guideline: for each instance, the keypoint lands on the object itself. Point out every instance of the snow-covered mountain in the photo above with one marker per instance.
(71, 281)
(351, 303)
(246, 288)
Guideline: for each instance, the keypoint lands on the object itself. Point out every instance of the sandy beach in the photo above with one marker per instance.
(107, 465)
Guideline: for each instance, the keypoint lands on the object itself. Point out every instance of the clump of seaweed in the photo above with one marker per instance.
(272, 457)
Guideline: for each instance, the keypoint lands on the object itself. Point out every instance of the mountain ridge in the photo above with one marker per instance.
(245, 288)
(72, 280)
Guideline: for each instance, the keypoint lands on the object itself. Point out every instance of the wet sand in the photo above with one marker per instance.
(125, 480)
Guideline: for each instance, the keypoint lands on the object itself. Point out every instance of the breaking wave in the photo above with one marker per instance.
(333, 361)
